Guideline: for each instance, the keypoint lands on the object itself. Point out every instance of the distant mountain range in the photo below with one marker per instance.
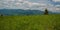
(22, 12)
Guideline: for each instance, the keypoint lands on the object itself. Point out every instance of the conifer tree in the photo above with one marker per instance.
(46, 11)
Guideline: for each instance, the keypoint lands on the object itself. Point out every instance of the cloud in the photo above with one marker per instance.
(57, 6)
(56, 0)
(29, 4)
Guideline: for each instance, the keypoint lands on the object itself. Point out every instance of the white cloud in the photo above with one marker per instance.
(23, 4)
(56, 0)
(57, 6)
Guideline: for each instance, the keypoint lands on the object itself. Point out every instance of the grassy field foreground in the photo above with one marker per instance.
(31, 22)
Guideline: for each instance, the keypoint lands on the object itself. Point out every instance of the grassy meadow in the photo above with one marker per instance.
(30, 22)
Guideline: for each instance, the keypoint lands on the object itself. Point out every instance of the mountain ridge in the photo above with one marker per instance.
(22, 12)
(19, 11)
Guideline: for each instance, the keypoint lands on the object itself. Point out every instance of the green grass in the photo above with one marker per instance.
(31, 22)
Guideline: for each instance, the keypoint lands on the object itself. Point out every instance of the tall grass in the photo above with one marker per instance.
(31, 22)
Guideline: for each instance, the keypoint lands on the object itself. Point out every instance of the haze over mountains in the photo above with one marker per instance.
(23, 12)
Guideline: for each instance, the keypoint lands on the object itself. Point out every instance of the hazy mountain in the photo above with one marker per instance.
(19, 12)
(22, 12)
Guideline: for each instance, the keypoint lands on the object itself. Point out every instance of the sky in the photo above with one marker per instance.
(51, 5)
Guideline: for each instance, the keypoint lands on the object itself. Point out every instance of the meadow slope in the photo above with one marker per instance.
(31, 22)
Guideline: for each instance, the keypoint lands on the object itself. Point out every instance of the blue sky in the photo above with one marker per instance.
(52, 5)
